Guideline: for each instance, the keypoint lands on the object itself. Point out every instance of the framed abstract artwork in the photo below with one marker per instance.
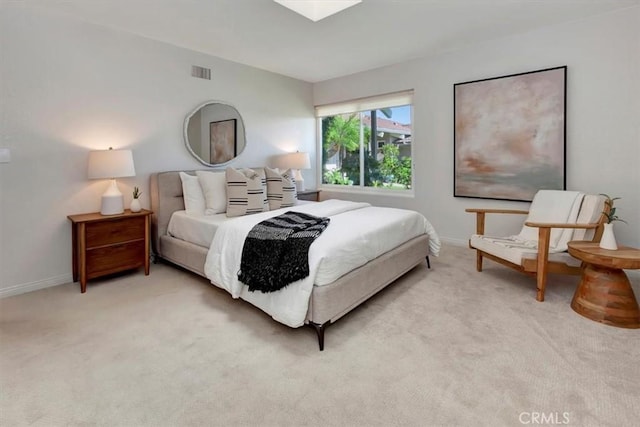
(222, 140)
(510, 135)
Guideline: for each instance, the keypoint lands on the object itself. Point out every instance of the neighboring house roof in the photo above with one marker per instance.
(387, 125)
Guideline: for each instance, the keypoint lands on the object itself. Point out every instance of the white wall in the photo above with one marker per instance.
(603, 115)
(68, 87)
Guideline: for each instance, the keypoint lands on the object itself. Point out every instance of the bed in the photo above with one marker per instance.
(326, 298)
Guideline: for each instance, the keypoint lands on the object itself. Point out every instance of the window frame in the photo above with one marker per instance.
(376, 102)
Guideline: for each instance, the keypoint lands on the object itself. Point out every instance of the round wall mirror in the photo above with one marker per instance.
(214, 133)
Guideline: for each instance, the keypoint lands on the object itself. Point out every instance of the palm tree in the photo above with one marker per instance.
(342, 135)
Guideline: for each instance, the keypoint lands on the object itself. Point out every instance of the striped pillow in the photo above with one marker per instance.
(281, 189)
(245, 192)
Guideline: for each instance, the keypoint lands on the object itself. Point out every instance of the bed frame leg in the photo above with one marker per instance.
(428, 263)
(320, 332)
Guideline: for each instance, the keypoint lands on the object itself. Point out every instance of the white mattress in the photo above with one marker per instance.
(196, 229)
(199, 229)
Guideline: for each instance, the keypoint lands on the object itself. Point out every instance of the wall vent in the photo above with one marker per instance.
(201, 72)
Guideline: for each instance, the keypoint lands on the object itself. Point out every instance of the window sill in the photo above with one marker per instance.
(367, 190)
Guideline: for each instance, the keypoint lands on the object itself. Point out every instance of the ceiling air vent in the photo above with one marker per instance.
(201, 72)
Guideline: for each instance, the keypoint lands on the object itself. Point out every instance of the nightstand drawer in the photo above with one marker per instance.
(116, 231)
(310, 195)
(111, 259)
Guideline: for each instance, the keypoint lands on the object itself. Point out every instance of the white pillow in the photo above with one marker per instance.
(246, 192)
(214, 189)
(192, 193)
(281, 189)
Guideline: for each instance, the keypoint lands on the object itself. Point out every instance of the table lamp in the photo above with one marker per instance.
(111, 164)
(295, 162)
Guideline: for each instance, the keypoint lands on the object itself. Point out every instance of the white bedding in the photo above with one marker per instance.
(199, 229)
(357, 233)
(196, 229)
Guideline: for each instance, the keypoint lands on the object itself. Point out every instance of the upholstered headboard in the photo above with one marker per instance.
(165, 190)
(166, 198)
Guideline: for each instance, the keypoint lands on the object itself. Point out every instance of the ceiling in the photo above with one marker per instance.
(372, 34)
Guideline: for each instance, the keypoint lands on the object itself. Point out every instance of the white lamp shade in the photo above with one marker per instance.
(294, 161)
(107, 164)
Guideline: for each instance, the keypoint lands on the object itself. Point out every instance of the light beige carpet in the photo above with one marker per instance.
(446, 346)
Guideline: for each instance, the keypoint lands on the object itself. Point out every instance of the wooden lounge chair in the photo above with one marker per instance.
(554, 218)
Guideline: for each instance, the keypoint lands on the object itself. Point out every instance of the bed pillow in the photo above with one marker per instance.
(281, 189)
(215, 191)
(194, 203)
(245, 192)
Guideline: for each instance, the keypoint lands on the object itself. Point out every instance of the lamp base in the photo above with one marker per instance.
(297, 175)
(112, 200)
(112, 205)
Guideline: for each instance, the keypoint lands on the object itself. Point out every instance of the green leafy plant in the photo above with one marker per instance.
(336, 177)
(342, 135)
(397, 170)
(611, 215)
(136, 192)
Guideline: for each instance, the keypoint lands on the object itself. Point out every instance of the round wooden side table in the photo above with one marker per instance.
(605, 294)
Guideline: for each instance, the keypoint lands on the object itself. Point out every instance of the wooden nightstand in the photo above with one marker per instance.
(105, 244)
(311, 195)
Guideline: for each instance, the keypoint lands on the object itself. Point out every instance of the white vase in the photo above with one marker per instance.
(135, 205)
(608, 240)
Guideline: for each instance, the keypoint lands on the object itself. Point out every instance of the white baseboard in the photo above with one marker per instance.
(34, 286)
(455, 242)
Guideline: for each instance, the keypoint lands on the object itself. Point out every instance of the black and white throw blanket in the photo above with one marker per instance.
(276, 251)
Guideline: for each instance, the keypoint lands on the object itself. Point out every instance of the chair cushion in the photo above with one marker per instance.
(507, 248)
(553, 206)
(511, 248)
(590, 211)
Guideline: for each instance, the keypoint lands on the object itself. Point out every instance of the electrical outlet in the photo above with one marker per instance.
(5, 155)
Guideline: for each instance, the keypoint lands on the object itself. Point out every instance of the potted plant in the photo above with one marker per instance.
(608, 240)
(135, 203)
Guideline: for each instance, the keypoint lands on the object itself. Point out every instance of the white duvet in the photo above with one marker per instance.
(357, 233)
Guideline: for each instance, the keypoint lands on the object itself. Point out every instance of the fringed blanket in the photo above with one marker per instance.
(276, 251)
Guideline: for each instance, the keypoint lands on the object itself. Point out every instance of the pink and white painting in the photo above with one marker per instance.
(510, 135)
(222, 140)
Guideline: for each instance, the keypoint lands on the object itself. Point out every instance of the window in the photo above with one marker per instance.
(367, 142)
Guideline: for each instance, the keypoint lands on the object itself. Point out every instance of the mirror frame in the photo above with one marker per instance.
(185, 133)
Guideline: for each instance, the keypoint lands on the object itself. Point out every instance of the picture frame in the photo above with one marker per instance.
(510, 135)
(222, 141)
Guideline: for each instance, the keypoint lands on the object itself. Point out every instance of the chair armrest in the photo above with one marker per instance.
(556, 225)
(496, 211)
(480, 213)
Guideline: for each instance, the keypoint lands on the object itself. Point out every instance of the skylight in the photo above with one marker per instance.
(316, 10)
